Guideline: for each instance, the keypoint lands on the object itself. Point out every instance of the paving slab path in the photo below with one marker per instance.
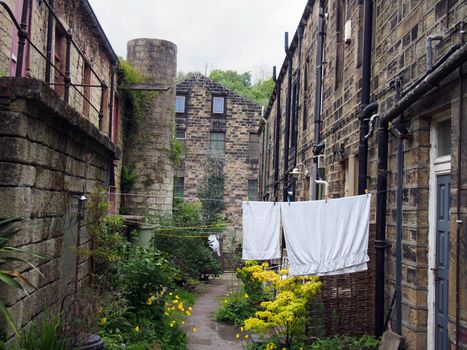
(212, 335)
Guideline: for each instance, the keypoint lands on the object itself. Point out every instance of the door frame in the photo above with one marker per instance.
(438, 166)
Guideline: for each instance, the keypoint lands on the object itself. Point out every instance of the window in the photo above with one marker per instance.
(180, 104)
(59, 60)
(218, 105)
(179, 187)
(181, 137)
(253, 190)
(218, 143)
(444, 138)
(253, 146)
(181, 134)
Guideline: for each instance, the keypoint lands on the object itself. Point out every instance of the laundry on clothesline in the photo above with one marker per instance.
(214, 244)
(328, 237)
(261, 231)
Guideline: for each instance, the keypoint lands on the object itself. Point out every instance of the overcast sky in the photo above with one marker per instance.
(244, 35)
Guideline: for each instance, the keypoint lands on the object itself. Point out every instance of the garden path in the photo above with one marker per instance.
(209, 334)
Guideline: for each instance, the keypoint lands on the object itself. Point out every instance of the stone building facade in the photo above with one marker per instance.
(58, 141)
(219, 131)
(325, 142)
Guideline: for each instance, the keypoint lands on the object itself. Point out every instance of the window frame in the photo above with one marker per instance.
(212, 105)
(217, 152)
(255, 197)
(184, 105)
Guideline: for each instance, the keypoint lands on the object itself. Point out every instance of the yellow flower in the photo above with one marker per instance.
(237, 336)
(246, 336)
(137, 329)
(194, 329)
(188, 313)
(183, 322)
(241, 329)
(104, 320)
(246, 296)
(170, 293)
(190, 308)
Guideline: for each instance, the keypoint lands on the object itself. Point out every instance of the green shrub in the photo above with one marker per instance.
(183, 238)
(235, 309)
(145, 272)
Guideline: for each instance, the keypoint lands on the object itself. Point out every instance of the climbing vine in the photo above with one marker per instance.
(136, 103)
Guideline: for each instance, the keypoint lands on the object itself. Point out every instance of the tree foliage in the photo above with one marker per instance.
(240, 83)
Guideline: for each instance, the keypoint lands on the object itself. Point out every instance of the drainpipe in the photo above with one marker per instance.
(265, 159)
(50, 34)
(431, 81)
(318, 102)
(296, 98)
(380, 239)
(111, 102)
(429, 50)
(22, 35)
(277, 130)
(458, 194)
(287, 117)
(365, 99)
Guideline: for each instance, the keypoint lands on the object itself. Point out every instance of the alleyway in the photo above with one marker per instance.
(211, 335)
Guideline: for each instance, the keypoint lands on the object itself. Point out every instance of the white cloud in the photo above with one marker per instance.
(244, 35)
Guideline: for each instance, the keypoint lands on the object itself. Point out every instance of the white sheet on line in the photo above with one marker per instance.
(261, 231)
(327, 237)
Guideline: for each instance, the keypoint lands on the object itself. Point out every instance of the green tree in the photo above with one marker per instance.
(241, 83)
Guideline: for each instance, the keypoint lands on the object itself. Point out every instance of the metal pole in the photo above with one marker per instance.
(22, 35)
(67, 79)
(318, 100)
(287, 117)
(365, 95)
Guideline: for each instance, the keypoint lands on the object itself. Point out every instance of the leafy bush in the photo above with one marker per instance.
(183, 237)
(145, 272)
(285, 315)
(235, 309)
(348, 343)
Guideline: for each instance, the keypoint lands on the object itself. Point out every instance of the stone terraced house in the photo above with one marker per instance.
(59, 138)
(371, 96)
(219, 131)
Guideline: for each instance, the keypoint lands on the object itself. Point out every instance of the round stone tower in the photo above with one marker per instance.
(149, 150)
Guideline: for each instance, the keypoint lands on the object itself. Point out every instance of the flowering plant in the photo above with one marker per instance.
(285, 315)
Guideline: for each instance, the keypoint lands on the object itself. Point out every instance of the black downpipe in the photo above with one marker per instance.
(277, 130)
(380, 240)
(400, 175)
(111, 102)
(318, 99)
(22, 35)
(458, 194)
(67, 79)
(296, 99)
(365, 100)
(287, 117)
(430, 81)
(50, 35)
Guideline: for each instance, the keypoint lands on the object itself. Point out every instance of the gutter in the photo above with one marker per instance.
(100, 31)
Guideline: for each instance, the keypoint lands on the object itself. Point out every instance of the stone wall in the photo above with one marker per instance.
(241, 118)
(49, 156)
(75, 15)
(149, 149)
(400, 29)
